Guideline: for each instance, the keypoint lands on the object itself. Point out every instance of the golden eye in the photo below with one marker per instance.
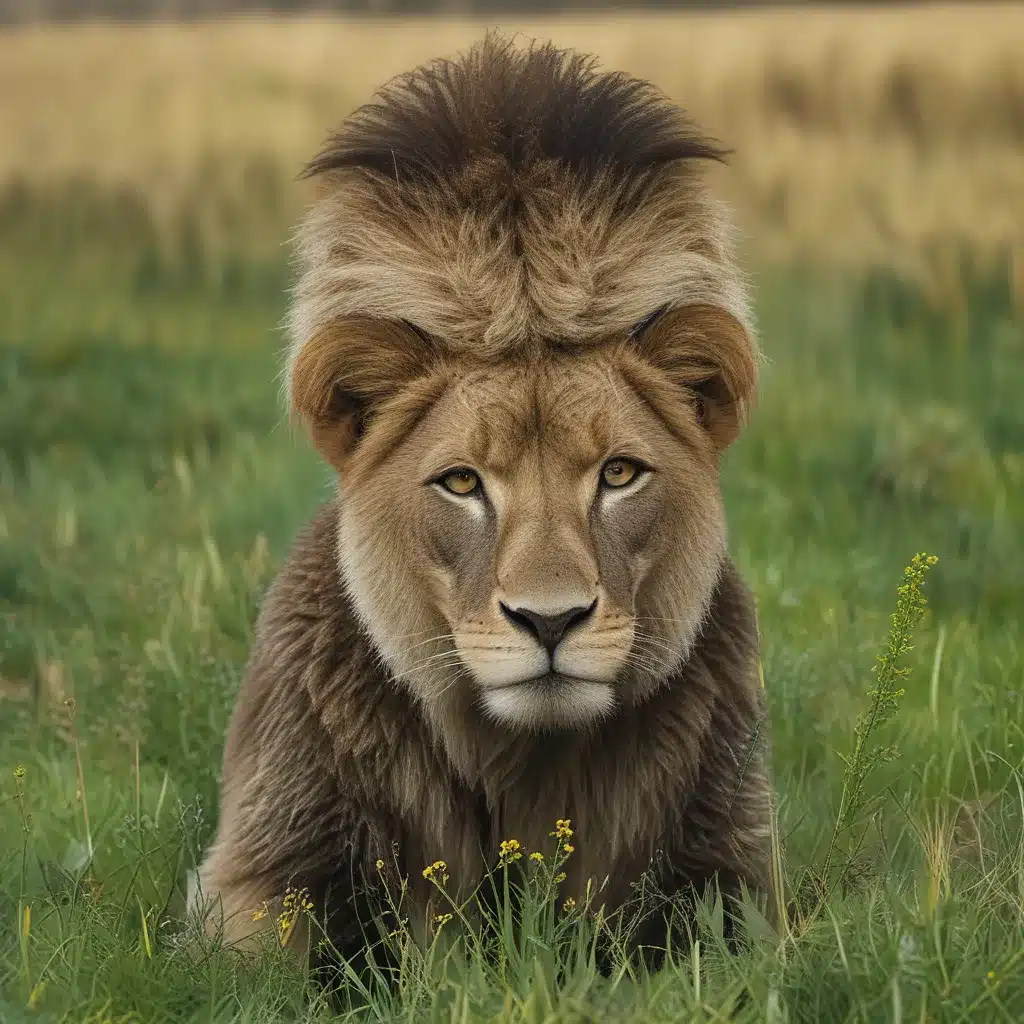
(619, 472)
(461, 481)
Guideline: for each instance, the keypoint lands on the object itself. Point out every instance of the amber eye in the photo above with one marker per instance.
(460, 481)
(619, 472)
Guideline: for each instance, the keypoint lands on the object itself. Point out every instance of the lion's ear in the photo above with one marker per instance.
(710, 353)
(343, 373)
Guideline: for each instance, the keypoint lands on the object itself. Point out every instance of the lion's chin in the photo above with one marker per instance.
(551, 701)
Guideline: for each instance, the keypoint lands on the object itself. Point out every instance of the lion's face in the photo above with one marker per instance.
(527, 454)
(544, 541)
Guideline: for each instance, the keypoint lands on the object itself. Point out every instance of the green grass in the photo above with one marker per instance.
(149, 486)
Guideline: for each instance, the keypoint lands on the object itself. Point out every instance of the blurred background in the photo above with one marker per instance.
(882, 133)
(30, 10)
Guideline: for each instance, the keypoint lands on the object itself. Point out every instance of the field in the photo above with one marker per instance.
(150, 485)
(858, 135)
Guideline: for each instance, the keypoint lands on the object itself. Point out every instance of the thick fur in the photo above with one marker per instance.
(513, 268)
(512, 198)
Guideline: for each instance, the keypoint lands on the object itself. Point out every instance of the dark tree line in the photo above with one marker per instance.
(20, 11)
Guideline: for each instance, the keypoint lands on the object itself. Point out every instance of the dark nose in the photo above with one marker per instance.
(548, 629)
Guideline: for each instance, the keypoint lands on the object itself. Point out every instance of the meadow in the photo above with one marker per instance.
(150, 485)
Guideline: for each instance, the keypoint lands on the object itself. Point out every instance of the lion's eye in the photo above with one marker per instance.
(619, 472)
(460, 481)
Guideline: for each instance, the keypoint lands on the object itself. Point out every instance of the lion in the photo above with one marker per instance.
(521, 339)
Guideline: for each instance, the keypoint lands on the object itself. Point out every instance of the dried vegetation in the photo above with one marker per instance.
(862, 136)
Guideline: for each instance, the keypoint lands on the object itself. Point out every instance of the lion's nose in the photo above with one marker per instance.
(548, 629)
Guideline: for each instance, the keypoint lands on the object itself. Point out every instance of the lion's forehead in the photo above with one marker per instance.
(560, 413)
(565, 267)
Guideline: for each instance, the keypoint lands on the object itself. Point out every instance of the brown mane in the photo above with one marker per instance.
(516, 107)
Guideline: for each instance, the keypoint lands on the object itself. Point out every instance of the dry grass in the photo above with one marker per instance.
(859, 135)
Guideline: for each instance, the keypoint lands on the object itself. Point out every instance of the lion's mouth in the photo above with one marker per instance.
(549, 680)
(549, 700)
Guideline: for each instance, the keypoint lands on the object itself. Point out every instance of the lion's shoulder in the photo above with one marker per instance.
(311, 663)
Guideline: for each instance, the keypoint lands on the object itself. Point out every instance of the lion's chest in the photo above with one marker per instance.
(560, 823)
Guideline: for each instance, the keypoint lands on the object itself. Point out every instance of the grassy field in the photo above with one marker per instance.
(149, 487)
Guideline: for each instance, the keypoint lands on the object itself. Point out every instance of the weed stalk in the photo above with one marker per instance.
(885, 697)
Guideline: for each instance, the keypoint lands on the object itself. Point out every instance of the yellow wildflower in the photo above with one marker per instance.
(19, 772)
(437, 872)
(380, 865)
(563, 829)
(536, 857)
(510, 851)
(560, 877)
(441, 920)
(568, 847)
(260, 912)
(569, 905)
(297, 901)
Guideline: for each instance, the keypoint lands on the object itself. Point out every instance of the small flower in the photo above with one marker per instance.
(19, 771)
(563, 829)
(569, 905)
(260, 912)
(991, 975)
(297, 901)
(441, 920)
(510, 851)
(437, 872)
(560, 877)
(536, 857)
(380, 865)
(568, 847)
